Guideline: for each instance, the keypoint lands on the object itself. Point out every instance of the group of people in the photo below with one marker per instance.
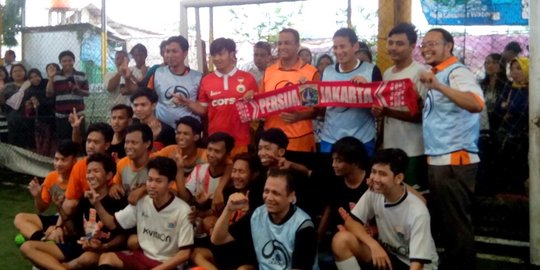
(177, 179)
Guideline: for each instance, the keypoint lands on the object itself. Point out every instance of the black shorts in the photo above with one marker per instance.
(71, 250)
(47, 221)
(232, 255)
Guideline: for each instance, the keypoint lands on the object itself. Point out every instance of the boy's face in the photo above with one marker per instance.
(340, 166)
(216, 153)
(143, 108)
(134, 145)
(383, 179)
(67, 63)
(185, 137)
(120, 120)
(63, 164)
(95, 143)
(224, 60)
(157, 185)
(269, 152)
(97, 176)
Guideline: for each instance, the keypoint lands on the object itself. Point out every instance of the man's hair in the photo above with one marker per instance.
(253, 162)
(103, 128)
(295, 34)
(222, 137)
(162, 46)
(106, 161)
(396, 158)
(122, 52)
(222, 43)
(68, 148)
(191, 122)
(347, 33)
(447, 37)
(265, 46)
(146, 132)
(164, 166)
(125, 107)
(139, 47)
(66, 53)
(180, 40)
(514, 47)
(405, 28)
(145, 92)
(275, 172)
(352, 151)
(275, 136)
(323, 57)
(12, 52)
(55, 65)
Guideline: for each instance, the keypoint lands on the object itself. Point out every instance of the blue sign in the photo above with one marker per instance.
(476, 12)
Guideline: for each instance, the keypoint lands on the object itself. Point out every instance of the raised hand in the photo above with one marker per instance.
(74, 119)
(237, 201)
(34, 187)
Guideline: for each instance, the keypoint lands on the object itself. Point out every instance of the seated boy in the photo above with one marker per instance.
(84, 237)
(403, 222)
(163, 228)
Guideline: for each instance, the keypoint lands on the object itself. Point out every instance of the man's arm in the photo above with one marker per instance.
(416, 266)
(104, 216)
(49, 89)
(220, 234)
(114, 81)
(181, 257)
(305, 246)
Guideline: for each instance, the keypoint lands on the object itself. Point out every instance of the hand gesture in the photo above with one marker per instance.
(180, 161)
(237, 201)
(117, 191)
(283, 163)
(429, 80)
(34, 187)
(34, 101)
(92, 196)
(289, 117)
(74, 119)
(180, 100)
(202, 197)
(51, 72)
(58, 200)
(91, 244)
(359, 80)
(248, 95)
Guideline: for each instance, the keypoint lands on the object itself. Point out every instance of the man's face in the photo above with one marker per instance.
(174, 55)
(9, 58)
(119, 58)
(216, 153)
(95, 143)
(275, 195)
(185, 137)
(134, 145)
(434, 49)
(120, 120)
(67, 63)
(340, 166)
(399, 48)
(143, 108)
(241, 174)
(287, 46)
(344, 50)
(383, 179)
(157, 185)
(269, 152)
(139, 57)
(96, 175)
(224, 61)
(261, 58)
(63, 164)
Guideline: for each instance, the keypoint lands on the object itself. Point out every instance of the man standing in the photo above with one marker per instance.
(290, 70)
(285, 235)
(340, 122)
(9, 60)
(262, 56)
(451, 123)
(115, 82)
(401, 129)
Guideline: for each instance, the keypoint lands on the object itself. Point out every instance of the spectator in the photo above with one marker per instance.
(511, 50)
(305, 55)
(139, 54)
(451, 123)
(4, 79)
(262, 53)
(69, 87)
(115, 82)
(492, 85)
(121, 118)
(150, 72)
(364, 52)
(9, 59)
(324, 61)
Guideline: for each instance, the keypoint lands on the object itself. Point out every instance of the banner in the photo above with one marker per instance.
(394, 93)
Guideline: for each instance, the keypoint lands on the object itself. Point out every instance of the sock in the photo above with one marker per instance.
(105, 267)
(348, 264)
(37, 236)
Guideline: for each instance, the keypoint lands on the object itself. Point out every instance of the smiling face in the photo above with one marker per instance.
(287, 46)
(185, 137)
(383, 179)
(95, 143)
(134, 145)
(268, 152)
(344, 50)
(241, 174)
(399, 48)
(435, 49)
(174, 55)
(276, 197)
(224, 61)
(97, 176)
(67, 64)
(216, 153)
(63, 164)
(340, 166)
(18, 73)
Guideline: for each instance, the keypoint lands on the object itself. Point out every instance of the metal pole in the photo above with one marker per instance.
(534, 131)
(198, 39)
(210, 39)
(103, 40)
(349, 12)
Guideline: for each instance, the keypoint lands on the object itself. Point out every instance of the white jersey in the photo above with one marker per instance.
(200, 180)
(404, 226)
(401, 134)
(161, 232)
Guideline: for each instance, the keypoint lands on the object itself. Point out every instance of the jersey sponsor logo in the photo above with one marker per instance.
(223, 102)
(276, 253)
(157, 235)
(214, 93)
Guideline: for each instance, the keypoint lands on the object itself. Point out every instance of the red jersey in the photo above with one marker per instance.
(219, 92)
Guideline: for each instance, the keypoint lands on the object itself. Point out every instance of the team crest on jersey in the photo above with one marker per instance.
(309, 94)
(241, 88)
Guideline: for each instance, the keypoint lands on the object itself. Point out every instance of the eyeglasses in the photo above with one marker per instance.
(430, 44)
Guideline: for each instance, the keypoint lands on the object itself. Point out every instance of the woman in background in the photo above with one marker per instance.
(4, 79)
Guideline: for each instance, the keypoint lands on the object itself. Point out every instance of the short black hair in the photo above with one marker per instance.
(347, 33)
(192, 122)
(182, 41)
(254, 162)
(275, 136)
(222, 43)
(125, 107)
(103, 128)
(139, 47)
(34, 71)
(275, 172)
(66, 53)
(164, 165)
(106, 161)
(295, 34)
(514, 47)
(323, 57)
(396, 158)
(265, 46)
(145, 92)
(222, 137)
(146, 132)
(447, 37)
(55, 65)
(12, 52)
(68, 148)
(405, 28)
(352, 151)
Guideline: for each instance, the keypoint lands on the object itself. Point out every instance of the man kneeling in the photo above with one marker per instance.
(403, 223)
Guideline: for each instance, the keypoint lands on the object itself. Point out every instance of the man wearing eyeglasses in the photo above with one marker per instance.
(451, 124)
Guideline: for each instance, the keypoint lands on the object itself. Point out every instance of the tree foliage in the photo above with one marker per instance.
(11, 21)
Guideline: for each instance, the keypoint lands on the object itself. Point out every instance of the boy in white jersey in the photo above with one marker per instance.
(402, 129)
(163, 229)
(403, 223)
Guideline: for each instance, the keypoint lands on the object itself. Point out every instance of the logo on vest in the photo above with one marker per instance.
(276, 254)
(178, 89)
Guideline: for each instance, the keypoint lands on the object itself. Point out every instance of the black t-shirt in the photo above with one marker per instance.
(342, 196)
(83, 212)
(166, 136)
(118, 149)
